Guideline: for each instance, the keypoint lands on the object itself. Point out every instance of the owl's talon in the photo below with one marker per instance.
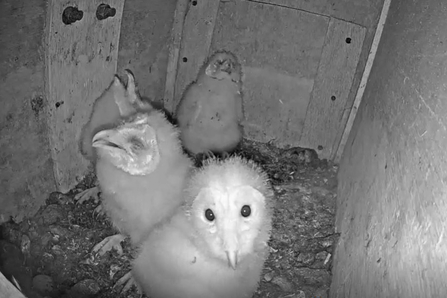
(99, 211)
(88, 194)
(128, 281)
(109, 243)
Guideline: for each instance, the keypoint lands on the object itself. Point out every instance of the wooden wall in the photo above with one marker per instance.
(25, 162)
(301, 63)
(391, 209)
(81, 60)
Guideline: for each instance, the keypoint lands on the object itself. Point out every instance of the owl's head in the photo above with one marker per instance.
(223, 65)
(131, 147)
(230, 205)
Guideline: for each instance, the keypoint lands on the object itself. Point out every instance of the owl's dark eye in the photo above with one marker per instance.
(246, 211)
(209, 214)
(113, 145)
(136, 143)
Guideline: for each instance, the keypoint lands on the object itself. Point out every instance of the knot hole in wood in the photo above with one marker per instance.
(348, 40)
(71, 14)
(104, 11)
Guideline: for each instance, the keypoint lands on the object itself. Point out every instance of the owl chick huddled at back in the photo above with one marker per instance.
(210, 111)
(215, 246)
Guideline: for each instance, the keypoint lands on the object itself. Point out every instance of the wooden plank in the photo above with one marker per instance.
(363, 82)
(81, 60)
(364, 12)
(174, 52)
(196, 40)
(336, 71)
(280, 61)
(8, 290)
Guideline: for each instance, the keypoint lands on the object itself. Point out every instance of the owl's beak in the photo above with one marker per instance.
(231, 241)
(105, 138)
(232, 258)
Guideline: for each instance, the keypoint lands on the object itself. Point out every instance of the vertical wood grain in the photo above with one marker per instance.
(359, 95)
(333, 83)
(197, 36)
(81, 60)
(174, 52)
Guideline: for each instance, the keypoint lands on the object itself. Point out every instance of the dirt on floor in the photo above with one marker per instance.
(49, 255)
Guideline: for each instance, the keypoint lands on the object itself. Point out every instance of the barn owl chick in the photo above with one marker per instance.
(116, 102)
(210, 112)
(141, 170)
(215, 246)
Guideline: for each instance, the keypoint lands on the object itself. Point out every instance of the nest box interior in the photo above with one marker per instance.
(360, 82)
